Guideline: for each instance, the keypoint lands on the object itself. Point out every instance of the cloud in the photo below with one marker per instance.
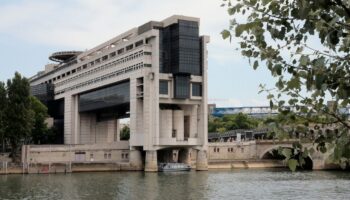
(86, 23)
(83, 24)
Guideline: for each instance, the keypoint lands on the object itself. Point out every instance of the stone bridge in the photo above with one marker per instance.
(260, 150)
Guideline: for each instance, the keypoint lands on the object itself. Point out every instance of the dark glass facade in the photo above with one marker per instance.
(196, 89)
(44, 92)
(163, 87)
(181, 54)
(180, 48)
(106, 97)
(182, 87)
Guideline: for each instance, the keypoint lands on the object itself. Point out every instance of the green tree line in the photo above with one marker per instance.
(232, 122)
(22, 116)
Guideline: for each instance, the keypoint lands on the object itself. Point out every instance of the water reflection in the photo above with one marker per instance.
(237, 184)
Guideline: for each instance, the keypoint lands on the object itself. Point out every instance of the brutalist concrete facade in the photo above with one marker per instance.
(156, 74)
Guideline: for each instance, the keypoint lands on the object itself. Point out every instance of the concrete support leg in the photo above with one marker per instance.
(202, 160)
(184, 156)
(151, 161)
(135, 160)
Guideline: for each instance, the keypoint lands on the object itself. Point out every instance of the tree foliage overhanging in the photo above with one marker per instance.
(305, 44)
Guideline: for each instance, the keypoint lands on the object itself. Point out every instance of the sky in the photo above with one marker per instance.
(30, 30)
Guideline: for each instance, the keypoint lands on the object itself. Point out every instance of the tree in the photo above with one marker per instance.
(232, 122)
(19, 116)
(39, 132)
(305, 44)
(3, 104)
(125, 133)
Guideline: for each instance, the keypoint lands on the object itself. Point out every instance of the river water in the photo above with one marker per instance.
(235, 184)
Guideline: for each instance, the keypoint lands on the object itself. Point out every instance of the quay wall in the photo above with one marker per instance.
(118, 157)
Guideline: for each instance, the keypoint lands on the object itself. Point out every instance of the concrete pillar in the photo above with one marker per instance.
(184, 156)
(178, 124)
(76, 120)
(133, 113)
(202, 161)
(71, 120)
(135, 160)
(117, 133)
(111, 129)
(194, 122)
(166, 123)
(151, 164)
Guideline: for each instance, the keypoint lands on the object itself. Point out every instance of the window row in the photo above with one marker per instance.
(104, 77)
(97, 61)
(164, 88)
(230, 150)
(103, 67)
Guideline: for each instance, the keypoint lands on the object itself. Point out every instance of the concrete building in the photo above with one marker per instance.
(154, 74)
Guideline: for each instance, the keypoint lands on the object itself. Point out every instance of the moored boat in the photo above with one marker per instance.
(173, 167)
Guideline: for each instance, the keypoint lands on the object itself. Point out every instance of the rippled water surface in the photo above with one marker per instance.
(236, 184)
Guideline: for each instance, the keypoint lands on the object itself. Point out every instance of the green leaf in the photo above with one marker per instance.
(239, 29)
(256, 64)
(304, 60)
(225, 34)
(278, 69)
(292, 164)
(287, 153)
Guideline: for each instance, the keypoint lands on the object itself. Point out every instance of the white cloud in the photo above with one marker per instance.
(83, 24)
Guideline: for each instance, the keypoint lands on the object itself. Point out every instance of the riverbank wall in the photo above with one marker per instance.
(119, 157)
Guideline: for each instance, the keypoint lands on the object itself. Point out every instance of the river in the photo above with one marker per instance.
(235, 184)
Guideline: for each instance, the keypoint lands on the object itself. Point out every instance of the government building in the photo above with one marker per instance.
(154, 74)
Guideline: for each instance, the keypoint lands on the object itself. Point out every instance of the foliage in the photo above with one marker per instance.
(3, 103)
(125, 133)
(39, 132)
(305, 44)
(19, 116)
(231, 122)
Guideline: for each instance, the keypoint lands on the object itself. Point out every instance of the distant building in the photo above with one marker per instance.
(253, 111)
(258, 111)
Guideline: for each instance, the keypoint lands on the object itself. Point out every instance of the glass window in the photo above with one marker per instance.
(120, 51)
(182, 86)
(112, 54)
(139, 43)
(129, 47)
(196, 89)
(163, 87)
(105, 97)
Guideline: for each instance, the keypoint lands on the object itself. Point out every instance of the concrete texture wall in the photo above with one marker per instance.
(166, 123)
(178, 124)
(114, 152)
(232, 151)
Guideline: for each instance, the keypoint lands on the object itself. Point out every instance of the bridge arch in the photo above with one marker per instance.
(271, 153)
(265, 149)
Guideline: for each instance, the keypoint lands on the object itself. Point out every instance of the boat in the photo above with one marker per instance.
(173, 167)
